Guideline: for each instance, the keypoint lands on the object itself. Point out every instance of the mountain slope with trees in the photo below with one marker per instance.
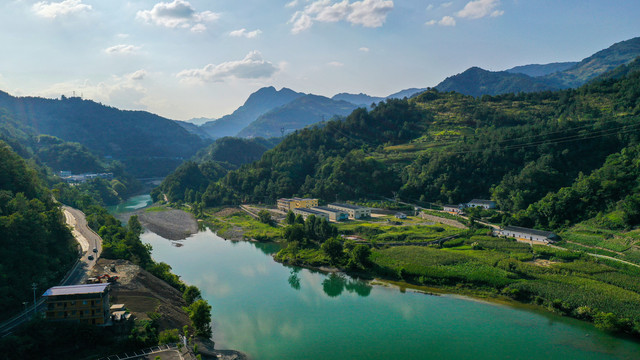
(137, 138)
(448, 148)
(35, 244)
(476, 82)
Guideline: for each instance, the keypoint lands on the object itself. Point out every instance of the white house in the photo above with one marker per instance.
(354, 211)
(525, 234)
(487, 204)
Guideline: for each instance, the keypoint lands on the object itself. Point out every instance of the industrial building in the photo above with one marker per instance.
(83, 303)
(296, 203)
(354, 211)
(304, 212)
(334, 215)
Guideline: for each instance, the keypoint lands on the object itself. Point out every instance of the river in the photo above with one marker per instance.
(271, 311)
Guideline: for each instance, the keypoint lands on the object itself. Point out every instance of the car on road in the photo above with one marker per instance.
(90, 257)
(95, 250)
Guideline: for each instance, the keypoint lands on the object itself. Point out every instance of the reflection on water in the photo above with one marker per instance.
(335, 283)
(294, 279)
(271, 311)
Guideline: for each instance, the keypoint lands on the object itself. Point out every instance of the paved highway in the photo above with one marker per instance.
(88, 241)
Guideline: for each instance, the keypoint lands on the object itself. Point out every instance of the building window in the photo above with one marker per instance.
(85, 302)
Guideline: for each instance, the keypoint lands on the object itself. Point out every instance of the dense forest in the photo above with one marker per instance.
(35, 244)
(445, 148)
(147, 144)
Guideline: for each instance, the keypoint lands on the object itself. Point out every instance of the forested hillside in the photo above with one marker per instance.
(35, 244)
(448, 148)
(137, 138)
(532, 78)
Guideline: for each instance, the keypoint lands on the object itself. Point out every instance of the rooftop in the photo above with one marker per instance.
(309, 211)
(326, 209)
(347, 206)
(76, 289)
(481, 201)
(548, 234)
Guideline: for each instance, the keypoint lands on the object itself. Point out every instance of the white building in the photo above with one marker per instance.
(453, 209)
(354, 211)
(307, 212)
(334, 215)
(525, 234)
(487, 204)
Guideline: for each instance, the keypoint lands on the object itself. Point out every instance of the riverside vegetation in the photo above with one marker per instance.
(36, 246)
(564, 161)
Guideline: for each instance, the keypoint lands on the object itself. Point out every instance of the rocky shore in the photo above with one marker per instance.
(171, 224)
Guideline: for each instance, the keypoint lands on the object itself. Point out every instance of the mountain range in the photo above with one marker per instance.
(531, 78)
(136, 138)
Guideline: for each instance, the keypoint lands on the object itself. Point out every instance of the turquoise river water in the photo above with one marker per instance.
(271, 311)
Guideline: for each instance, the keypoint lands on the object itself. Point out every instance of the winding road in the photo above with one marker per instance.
(88, 241)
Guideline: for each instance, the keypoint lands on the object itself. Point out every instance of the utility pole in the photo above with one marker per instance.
(34, 286)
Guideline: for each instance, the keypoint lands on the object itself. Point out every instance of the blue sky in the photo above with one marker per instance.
(203, 58)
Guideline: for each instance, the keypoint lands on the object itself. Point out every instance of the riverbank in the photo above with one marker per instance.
(170, 223)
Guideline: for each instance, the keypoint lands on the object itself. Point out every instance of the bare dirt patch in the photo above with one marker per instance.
(543, 262)
(143, 293)
(171, 224)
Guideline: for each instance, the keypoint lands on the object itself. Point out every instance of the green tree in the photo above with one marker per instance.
(333, 249)
(134, 225)
(291, 218)
(168, 336)
(191, 293)
(265, 217)
(294, 233)
(359, 256)
(200, 315)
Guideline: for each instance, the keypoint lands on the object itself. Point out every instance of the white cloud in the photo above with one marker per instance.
(364, 49)
(445, 21)
(368, 13)
(177, 14)
(138, 75)
(198, 28)
(335, 64)
(125, 92)
(477, 9)
(292, 3)
(122, 49)
(244, 33)
(253, 66)
(122, 36)
(54, 9)
(300, 21)
(447, 4)
(430, 7)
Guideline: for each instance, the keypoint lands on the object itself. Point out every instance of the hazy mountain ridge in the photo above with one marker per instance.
(297, 114)
(535, 70)
(106, 130)
(476, 82)
(258, 103)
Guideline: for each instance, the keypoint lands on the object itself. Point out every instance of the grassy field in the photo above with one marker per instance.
(238, 225)
(384, 229)
(623, 245)
(564, 281)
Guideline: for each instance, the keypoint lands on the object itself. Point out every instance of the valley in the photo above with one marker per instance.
(492, 214)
